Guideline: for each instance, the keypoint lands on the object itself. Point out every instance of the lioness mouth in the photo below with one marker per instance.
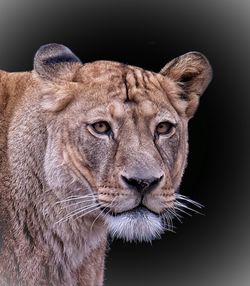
(138, 210)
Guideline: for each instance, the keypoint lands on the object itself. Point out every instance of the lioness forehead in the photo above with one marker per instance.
(121, 87)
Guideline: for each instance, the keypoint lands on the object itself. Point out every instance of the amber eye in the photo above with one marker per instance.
(101, 127)
(164, 128)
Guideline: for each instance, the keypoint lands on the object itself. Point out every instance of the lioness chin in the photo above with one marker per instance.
(88, 150)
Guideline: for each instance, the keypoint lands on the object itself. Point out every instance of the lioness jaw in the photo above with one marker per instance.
(86, 151)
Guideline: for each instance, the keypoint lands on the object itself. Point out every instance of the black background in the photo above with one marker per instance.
(210, 250)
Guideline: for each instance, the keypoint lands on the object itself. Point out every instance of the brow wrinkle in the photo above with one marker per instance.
(124, 79)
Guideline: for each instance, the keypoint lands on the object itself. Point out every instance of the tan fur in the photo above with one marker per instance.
(48, 153)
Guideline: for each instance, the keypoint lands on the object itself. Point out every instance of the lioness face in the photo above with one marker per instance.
(122, 134)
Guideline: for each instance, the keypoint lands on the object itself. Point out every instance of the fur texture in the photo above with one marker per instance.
(64, 184)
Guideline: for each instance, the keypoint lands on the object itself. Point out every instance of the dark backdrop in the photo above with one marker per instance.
(210, 250)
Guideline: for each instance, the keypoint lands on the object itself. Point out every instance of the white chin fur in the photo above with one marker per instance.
(135, 226)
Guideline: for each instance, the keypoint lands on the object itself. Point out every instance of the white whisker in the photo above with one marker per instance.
(181, 210)
(77, 203)
(169, 223)
(75, 212)
(107, 205)
(186, 207)
(174, 214)
(102, 211)
(73, 198)
(82, 215)
(68, 199)
(184, 198)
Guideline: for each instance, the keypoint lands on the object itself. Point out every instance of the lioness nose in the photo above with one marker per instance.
(142, 185)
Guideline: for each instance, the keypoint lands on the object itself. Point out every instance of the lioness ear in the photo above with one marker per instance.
(54, 61)
(193, 73)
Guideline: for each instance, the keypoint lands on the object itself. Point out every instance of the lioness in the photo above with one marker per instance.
(88, 150)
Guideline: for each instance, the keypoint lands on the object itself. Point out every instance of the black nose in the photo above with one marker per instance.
(142, 185)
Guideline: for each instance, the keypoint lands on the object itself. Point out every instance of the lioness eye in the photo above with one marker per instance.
(101, 127)
(164, 128)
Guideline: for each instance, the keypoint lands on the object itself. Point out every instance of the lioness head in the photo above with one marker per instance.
(119, 133)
